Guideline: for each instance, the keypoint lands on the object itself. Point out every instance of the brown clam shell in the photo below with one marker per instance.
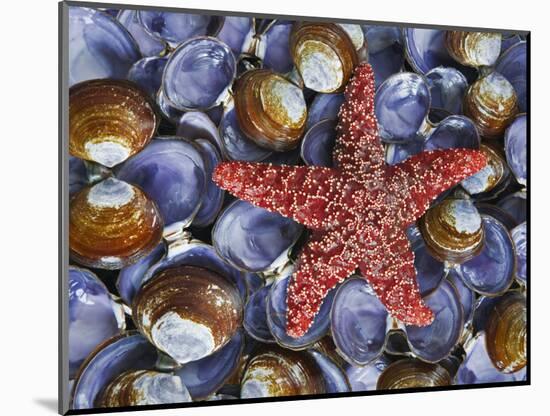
(452, 230)
(188, 312)
(412, 373)
(143, 387)
(112, 224)
(278, 372)
(506, 333)
(324, 55)
(109, 120)
(495, 174)
(271, 110)
(491, 102)
(473, 49)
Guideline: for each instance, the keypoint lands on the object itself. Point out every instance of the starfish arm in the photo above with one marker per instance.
(427, 175)
(303, 193)
(326, 260)
(358, 147)
(389, 268)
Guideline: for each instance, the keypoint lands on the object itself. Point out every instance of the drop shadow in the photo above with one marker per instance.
(48, 404)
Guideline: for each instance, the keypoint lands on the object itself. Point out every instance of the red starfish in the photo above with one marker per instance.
(358, 211)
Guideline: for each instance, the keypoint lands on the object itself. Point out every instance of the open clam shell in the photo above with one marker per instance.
(188, 312)
(385, 49)
(401, 105)
(519, 235)
(336, 380)
(465, 294)
(93, 316)
(318, 143)
(99, 46)
(512, 64)
(453, 132)
(112, 224)
(129, 351)
(199, 74)
(252, 238)
(255, 315)
(273, 46)
(447, 88)
(270, 109)
(324, 55)
(173, 173)
(412, 373)
(144, 387)
(515, 145)
(475, 49)
(453, 230)
(234, 32)
(278, 372)
(147, 73)
(497, 213)
(491, 272)
(492, 104)
(506, 333)
(109, 120)
(148, 44)
(324, 106)
(195, 125)
(359, 322)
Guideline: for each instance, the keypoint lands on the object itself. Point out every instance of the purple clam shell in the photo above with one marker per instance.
(336, 380)
(130, 351)
(497, 213)
(276, 318)
(274, 47)
(515, 146)
(447, 88)
(430, 272)
(425, 49)
(453, 132)
(385, 46)
(359, 322)
(234, 32)
(398, 152)
(205, 376)
(364, 378)
(434, 342)
(519, 235)
(199, 73)
(99, 46)
(130, 277)
(93, 316)
(482, 310)
(252, 238)
(508, 41)
(401, 105)
(515, 205)
(167, 109)
(172, 173)
(477, 367)
(147, 73)
(174, 28)
(148, 45)
(324, 106)
(318, 143)
(236, 144)
(197, 125)
(491, 272)
(513, 65)
(213, 198)
(78, 175)
(465, 294)
(255, 316)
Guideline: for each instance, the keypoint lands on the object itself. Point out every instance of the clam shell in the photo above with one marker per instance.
(270, 109)
(195, 125)
(492, 179)
(452, 230)
(144, 387)
(497, 213)
(147, 73)
(359, 322)
(273, 46)
(519, 235)
(447, 88)
(188, 312)
(453, 132)
(401, 105)
(173, 173)
(276, 372)
(254, 239)
(78, 175)
(515, 205)
(473, 49)
(199, 74)
(364, 378)
(93, 316)
(112, 224)
(465, 294)
(234, 32)
(255, 316)
(174, 28)
(324, 55)
(491, 272)
(99, 46)
(515, 145)
(492, 104)
(109, 120)
(385, 48)
(512, 64)
(148, 45)
(398, 152)
(506, 333)
(129, 351)
(411, 373)
(318, 143)
(336, 380)
(430, 272)
(324, 106)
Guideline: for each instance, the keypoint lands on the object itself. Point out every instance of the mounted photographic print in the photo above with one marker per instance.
(263, 207)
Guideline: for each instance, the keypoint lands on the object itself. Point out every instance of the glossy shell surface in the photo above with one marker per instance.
(411, 373)
(474, 49)
(515, 145)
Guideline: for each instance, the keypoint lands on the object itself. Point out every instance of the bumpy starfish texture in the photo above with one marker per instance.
(358, 210)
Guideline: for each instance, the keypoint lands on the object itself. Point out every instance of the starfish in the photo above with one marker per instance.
(357, 211)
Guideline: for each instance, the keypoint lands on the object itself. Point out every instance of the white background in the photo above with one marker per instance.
(29, 211)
